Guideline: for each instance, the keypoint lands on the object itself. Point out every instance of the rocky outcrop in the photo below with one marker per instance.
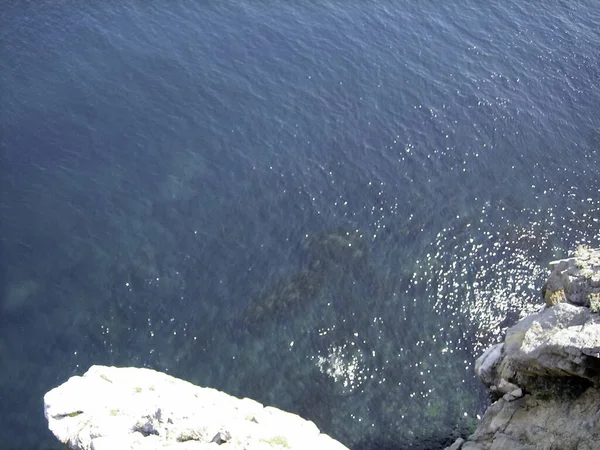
(545, 376)
(136, 408)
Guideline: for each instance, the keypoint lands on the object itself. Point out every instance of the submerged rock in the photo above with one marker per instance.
(338, 255)
(136, 408)
(287, 297)
(338, 249)
(546, 374)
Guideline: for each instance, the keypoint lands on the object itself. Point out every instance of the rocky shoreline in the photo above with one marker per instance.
(544, 380)
(545, 376)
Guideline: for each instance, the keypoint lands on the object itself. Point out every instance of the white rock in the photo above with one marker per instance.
(137, 408)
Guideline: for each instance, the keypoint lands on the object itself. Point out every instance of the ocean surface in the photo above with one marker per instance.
(331, 207)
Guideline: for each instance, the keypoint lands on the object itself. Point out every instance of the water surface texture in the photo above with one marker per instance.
(331, 207)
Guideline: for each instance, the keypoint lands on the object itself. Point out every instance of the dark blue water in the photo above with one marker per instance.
(331, 207)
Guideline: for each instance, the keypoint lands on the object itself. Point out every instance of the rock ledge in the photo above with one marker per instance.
(136, 408)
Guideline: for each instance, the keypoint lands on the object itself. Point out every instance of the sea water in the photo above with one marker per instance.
(330, 207)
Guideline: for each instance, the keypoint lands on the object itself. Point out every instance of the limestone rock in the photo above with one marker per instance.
(136, 408)
(563, 340)
(540, 424)
(546, 373)
(485, 365)
(574, 279)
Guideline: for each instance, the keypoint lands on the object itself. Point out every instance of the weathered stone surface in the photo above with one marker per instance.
(563, 340)
(135, 408)
(546, 373)
(534, 423)
(457, 444)
(485, 365)
(574, 279)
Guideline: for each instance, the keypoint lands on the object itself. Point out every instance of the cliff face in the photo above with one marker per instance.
(546, 374)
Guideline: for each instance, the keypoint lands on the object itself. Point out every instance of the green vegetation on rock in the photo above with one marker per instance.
(277, 440)
(594, 299)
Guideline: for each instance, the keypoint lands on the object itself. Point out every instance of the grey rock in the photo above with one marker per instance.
(485, 365)
(456, 445)
(548, 369)
(563, 340)
(471, 446)
(574, 279)
(221, 437)
(513, 395)
(545, 424)
(136, 408)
